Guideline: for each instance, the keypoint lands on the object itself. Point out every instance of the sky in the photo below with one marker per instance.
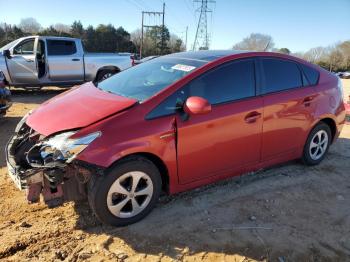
(296, 24)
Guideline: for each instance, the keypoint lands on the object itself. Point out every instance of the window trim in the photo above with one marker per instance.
(257, 81)
(21, 43)
(303, 71)
(61, 40)
(262, 75)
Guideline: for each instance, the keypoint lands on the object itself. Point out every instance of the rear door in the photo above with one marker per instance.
(288, 107)
(227, 138)
(22, 64)
(65, 61)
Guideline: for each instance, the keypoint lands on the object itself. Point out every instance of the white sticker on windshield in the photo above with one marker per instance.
(185, 68)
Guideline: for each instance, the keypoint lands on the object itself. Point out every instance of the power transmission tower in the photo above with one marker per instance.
(201, 40)
(153, 26)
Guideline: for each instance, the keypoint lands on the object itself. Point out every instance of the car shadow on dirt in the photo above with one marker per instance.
(264, 215)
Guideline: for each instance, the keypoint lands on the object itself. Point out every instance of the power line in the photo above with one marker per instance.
(201, 40)
(150, 14)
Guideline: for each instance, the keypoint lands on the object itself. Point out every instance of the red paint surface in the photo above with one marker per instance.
(232, 138)
(76, 108)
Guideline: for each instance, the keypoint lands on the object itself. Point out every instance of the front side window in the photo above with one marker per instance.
(24, 48)
(229, 82)
(61, 47)
(279, 74)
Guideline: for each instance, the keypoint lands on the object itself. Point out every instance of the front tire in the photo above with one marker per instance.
(317, 144)
(126, 193)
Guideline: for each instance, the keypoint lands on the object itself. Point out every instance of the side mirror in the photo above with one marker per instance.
(6, 53)
(196, 105)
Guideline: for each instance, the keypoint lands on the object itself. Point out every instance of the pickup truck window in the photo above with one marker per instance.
(145, 80)
(24, 48)
(61, 47)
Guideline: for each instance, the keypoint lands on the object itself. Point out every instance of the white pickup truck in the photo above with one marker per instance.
(37, 61)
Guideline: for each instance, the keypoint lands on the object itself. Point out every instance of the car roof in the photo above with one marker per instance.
(206, 55)
(48, 37)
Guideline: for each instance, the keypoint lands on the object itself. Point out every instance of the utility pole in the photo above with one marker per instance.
(201, 40)
(141, 44)
(186, 38)
(163, 32)
(162, 27)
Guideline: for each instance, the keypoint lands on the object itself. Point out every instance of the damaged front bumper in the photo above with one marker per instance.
(38, 173)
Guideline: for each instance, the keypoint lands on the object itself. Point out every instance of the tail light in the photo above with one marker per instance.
(347, 113)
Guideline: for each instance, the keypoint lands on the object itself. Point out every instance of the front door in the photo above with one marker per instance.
(22, 65)
(227, 138)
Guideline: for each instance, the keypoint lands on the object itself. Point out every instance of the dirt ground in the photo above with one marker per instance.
(286, 213)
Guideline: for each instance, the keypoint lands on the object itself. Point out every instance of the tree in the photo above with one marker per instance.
(335, 59)
(29, 25)
(77, 29)
(89, 39)
(315, 54)
(256, 42)
(284, 50)
(344, 48)
(62, 28)
(160, 37)
(175, 44)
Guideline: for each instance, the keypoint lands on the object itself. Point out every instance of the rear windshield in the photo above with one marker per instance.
(145, 80)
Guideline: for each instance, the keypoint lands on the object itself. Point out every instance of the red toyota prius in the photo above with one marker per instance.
(171, 124)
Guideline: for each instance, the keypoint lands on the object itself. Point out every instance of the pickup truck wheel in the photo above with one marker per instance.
(104, 74)
(126, 193)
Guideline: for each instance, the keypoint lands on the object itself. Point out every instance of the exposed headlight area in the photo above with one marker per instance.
(59, 150)
(44, 165)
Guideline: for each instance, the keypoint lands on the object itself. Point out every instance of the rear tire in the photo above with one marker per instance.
(317, 144)
(104, 74)
(126, 193)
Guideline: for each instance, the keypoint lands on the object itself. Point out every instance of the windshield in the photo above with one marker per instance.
(145, 80)
(9, 45)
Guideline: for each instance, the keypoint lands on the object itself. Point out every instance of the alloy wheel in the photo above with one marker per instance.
(130, 194)
(318, 145)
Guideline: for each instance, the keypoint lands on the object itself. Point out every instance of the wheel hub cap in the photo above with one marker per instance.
(318, 145)
(130, 194)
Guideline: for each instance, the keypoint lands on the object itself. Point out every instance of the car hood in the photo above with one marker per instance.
(76, 108)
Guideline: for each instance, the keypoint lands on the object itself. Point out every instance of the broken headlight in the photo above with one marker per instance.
(64, 148)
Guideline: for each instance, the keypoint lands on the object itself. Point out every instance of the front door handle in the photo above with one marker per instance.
(30, 60)
(252, 117)
(75, 59)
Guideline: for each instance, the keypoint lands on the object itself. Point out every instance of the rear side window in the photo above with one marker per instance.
(61, 47)
(280, 75)
(229, 82)
(311, 74)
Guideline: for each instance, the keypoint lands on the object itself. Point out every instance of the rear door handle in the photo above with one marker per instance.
(252, 117)
(75, 59)
(307, 100)
(29, 60)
